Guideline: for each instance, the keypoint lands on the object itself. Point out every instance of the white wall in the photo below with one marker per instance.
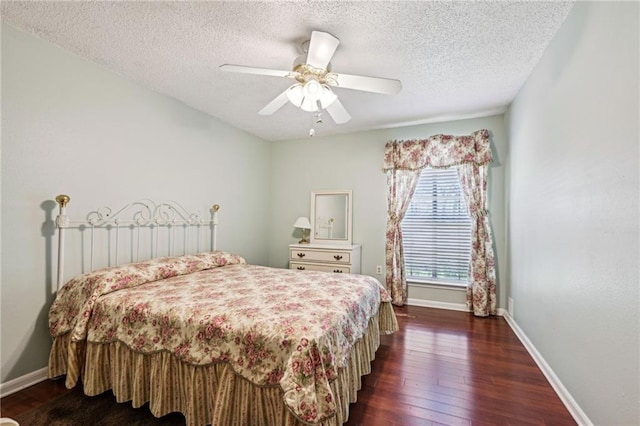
(69, 126)
(354, 161)
(573, 209)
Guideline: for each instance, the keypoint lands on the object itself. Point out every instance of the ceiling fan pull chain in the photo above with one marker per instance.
(312, 131)
(317, 119)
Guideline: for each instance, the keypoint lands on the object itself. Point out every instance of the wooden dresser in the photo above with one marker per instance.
(337, 258)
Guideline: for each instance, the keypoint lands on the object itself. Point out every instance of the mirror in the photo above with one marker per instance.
(331, 217)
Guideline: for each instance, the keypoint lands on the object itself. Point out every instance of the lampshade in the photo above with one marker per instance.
(327, 96)
(294, 94)
(302, 222)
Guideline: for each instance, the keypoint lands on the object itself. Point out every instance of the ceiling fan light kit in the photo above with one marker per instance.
(312, 92)
(311, 96)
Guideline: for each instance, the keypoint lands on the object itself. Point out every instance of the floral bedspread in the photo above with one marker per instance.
(275, 327)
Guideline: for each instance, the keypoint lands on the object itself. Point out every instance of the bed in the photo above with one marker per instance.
(217, 339)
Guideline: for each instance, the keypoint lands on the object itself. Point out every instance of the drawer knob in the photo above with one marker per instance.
(337, 257)
(337, 271)
(301, 268)
(301, 255)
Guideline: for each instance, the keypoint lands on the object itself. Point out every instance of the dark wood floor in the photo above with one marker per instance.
(451, 368)
(441, 368)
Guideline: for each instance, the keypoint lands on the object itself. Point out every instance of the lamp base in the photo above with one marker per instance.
(303, 241)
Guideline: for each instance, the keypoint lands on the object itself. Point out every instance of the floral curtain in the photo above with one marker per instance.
(471, 155)
(481, 291)
(401, 184)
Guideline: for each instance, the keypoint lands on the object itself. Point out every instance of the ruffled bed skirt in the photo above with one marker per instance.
(212, 394)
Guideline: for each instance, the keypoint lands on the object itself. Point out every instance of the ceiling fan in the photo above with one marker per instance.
(312, 90)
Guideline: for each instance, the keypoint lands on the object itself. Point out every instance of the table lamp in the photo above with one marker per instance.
(304, 224)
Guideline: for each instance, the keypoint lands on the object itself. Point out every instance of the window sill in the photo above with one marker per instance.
(439, 285)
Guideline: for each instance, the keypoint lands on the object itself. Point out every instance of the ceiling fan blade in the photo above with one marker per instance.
(259, 71)
(275, 104)
(321, 49)
(338, 113)
(385, 86)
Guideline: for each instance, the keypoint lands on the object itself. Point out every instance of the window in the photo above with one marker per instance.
(436, 230)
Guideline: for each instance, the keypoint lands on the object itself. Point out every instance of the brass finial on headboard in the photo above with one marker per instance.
(215, 208)
(63, 200)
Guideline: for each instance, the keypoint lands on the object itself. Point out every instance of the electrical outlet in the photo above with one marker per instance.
(510, 307)
(379, 270)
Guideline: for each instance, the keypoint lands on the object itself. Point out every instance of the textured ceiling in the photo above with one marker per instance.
(455, 59)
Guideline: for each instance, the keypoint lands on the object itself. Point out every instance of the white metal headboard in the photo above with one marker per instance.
(166, 219)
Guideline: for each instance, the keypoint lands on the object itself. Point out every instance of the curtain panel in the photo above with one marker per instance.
(400, 184)
(471, 155)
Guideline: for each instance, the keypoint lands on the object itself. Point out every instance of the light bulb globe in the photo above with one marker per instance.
(312, 90)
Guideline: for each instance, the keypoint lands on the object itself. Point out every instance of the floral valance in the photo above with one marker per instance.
(438, 151)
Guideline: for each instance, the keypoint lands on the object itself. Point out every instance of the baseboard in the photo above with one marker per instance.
(19, 383)
(435, 304)
(574, 409)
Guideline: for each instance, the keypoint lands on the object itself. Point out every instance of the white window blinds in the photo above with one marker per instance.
(436, 230)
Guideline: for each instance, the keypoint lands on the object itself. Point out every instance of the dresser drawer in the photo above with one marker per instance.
(305, 266)
(310, 255)
(315, 257)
